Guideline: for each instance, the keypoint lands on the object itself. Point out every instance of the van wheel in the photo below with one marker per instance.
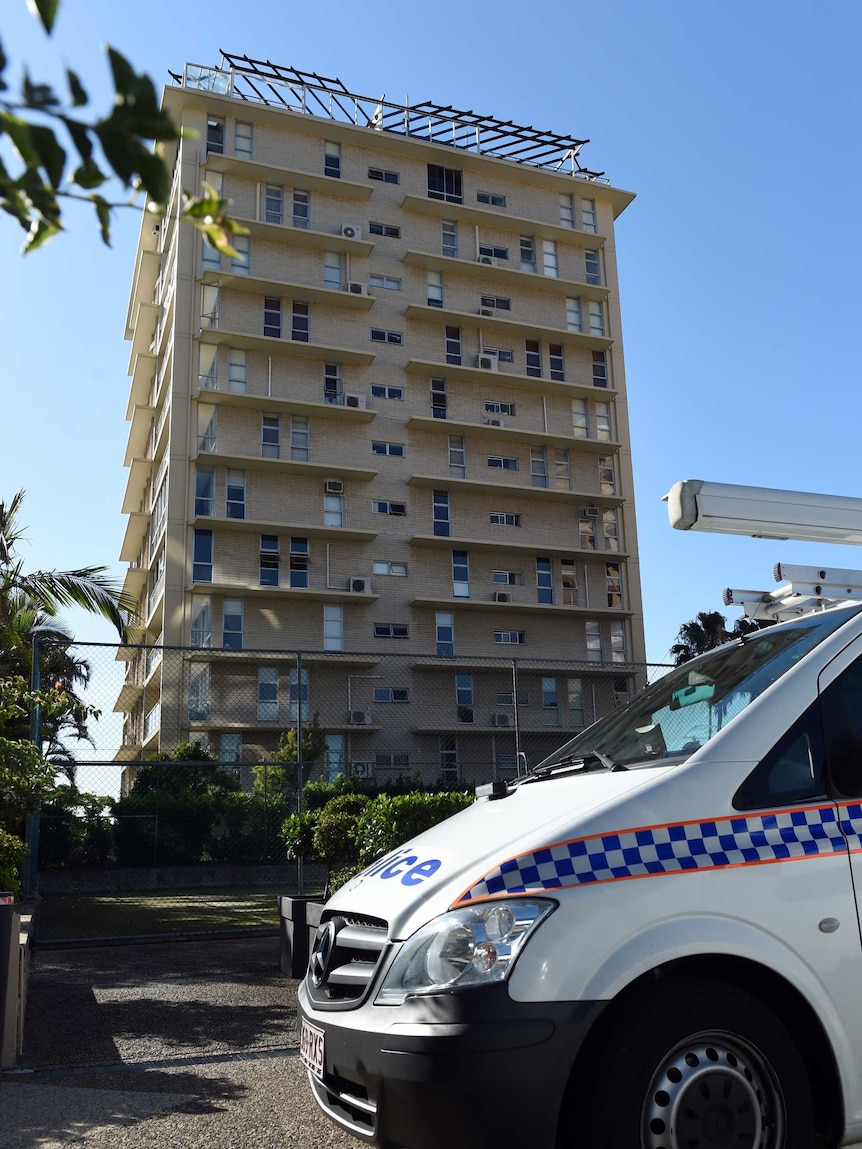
(699, 1064)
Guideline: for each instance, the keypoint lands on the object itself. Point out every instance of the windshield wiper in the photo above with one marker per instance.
(575, 762)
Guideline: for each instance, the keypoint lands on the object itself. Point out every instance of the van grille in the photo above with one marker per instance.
(344, 959)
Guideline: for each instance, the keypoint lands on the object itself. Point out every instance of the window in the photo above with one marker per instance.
(209, 306)
(603, 422)
(508, 578)
(301, 209)
(453, 345)
(269, 560)
(232, 624)
(384, 176)
(562, 469)
(297, 705)
(464, 698)
(588, 215)
(569, 582)
(333, 275)
(242, 143)
(379, 448)
(379, 391)
(299, 322)
(607, 478)
(503, 355)
(550, 702)
(333, 626)
(534, 358)
(385, 507)
(207, 418)
(449, 770)
(215, 180)
(378, 335)
(494, 252)
(597, 317)
(440, 512)
(528, 253)
(544, 580)
(618, 641)
(298, 563)
(575, 699)
(444, 622)
(237, 370)
(299, 437)
(592, 268)
(332, 159)
(580, 419)
(204, 491)
(457, 457)
(215, 135)
(391, 630)
(434, 288)
(507, 698)
(538, 467)
(387, 229)
(201, 631)
(332, 383)
(210, 258)
(505, 519)
(391, 694)
(200, 692)
(614, 584)
(234, 503)
(450, 237)
(273, 204)
(272, 316)
(333, 510)
(574, 320)
(586, 531)
(593, 636)
(549, 257)
(270, 436)
(438, 398)
(600, 369)
(445, 184)
(500, 302)
(202, 557)
(384, 567)
(460, 574)
(494, 408)
(230, 747)
(611, 529)
(389, 282)
(239, 263)
(510, 637)
(267, 693)
(503, 462)
(492, 198)
(556, 361)
(567, 209)
(387, 761)
(207, 367)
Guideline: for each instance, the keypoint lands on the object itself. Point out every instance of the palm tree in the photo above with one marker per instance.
(707, 630)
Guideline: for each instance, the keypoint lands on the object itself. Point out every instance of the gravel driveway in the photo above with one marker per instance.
(181, 1043)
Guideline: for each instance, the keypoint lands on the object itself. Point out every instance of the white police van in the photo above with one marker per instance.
(650, 941)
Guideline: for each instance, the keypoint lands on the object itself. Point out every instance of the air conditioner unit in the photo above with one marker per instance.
(591, 512)
(503, 719)
(487, 311)
(351, 400)
(351, 231)
(359, 585)
(356, 288)
(487, 362)
(362, 769)
(488, 260)
(360, 718)
(494, 422)
(502, 596)
(333, 487)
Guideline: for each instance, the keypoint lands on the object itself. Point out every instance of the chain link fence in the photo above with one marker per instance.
(167, 817)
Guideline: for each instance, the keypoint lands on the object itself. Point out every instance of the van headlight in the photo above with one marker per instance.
(469, 947)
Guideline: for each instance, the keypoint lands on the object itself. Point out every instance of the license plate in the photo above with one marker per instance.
(311, 1048)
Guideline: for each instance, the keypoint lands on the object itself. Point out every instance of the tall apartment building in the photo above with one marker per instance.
(394, 423)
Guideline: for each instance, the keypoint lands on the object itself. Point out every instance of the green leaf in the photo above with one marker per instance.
(89, 175)
(155, 177)
(217, 237)
(80, 134)
(18, 131)
(51, 155)
(45, 11)
(103, 211)
(79, 96)
(38, 95)
(125, 79)
(41, 231)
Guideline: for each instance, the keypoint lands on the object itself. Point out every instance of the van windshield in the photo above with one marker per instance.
(682, 711)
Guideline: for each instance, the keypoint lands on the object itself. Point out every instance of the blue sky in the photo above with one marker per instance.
(736, 124)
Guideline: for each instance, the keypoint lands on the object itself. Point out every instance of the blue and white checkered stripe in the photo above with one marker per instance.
(682, 847)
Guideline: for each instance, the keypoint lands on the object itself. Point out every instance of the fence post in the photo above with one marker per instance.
(517, 715)
(299, 866)
(30, 862)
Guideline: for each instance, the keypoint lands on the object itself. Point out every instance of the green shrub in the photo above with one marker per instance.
(389, 820)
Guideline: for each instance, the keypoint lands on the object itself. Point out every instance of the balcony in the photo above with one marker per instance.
(500, 488)
(308, 236)
(135, 580)
(257, 463)
(144, 327)
(505, 610)
(267, 526)
(294, 177)
(503, 273)
(468, 543)
(514, 434)
(257, 285)
(133, 539)
(271, 344)
(284, 594)
(140, 472)
(501, 219)
(435, 368)
(143, 285)
(139, 433)
(288, 404)
(514, 327)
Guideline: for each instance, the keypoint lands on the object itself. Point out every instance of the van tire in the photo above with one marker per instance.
(697, 1062)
